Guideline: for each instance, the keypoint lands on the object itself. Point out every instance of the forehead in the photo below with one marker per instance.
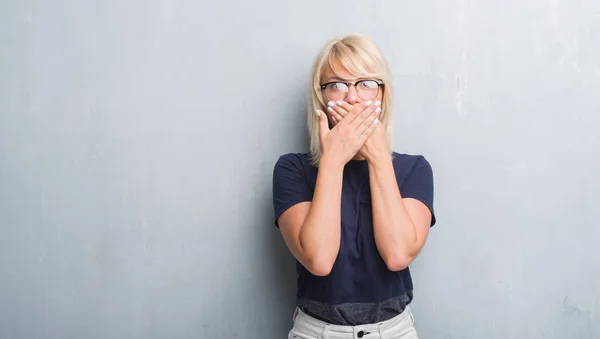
(338, 72)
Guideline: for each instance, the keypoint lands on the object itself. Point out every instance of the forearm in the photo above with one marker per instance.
(320, 232)
(395, 232)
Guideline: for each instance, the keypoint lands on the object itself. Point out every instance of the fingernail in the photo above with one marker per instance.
(378, 109)
(377, 103)
(330, 103)
(376, 121)
(339, 103)
(330, 109)
(368, 103)
(318, 112)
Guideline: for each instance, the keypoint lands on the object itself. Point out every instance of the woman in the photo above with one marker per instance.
(353, 213)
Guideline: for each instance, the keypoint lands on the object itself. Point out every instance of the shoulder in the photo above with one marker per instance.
(297, 158)
(297, 164)
(408, 163)
(299, 161)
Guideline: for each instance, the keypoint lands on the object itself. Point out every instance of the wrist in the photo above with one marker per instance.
(379, 159)
(330, 162)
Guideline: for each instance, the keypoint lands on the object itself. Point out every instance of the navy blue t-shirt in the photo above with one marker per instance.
(360, 288)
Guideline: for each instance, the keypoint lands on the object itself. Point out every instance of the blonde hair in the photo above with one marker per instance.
(360, 56)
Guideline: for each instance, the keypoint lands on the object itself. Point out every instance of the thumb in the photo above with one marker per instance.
(323, 124)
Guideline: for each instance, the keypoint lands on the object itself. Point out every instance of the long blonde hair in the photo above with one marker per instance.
(360, 56)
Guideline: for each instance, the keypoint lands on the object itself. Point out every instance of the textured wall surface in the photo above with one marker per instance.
(137, 141)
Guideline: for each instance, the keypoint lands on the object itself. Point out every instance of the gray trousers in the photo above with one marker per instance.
(399, 327)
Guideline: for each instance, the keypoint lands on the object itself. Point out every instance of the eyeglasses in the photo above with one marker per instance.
(338, 90)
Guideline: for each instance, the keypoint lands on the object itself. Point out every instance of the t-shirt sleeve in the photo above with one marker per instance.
(290, 185)
(419, 185)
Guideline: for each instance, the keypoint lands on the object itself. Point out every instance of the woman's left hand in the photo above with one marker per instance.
(375, 146)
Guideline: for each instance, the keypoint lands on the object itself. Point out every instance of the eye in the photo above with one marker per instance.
(338, 86)
(369, 84)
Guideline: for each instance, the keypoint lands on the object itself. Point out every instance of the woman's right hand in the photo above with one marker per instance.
(341, 143)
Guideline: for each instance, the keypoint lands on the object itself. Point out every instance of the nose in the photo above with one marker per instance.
(352, 97)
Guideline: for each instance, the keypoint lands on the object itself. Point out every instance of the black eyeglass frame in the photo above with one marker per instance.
(380, 83)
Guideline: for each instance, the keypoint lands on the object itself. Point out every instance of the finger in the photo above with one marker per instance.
(323, 125)
(336, 111)
(358, 104)
(346, 106)
(332, 120)
(363, 112)
(369, 130)
(374, 116)
(338, 117)
(350, 111)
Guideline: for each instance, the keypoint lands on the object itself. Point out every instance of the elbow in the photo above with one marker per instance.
(398, 262)
(320, 267)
